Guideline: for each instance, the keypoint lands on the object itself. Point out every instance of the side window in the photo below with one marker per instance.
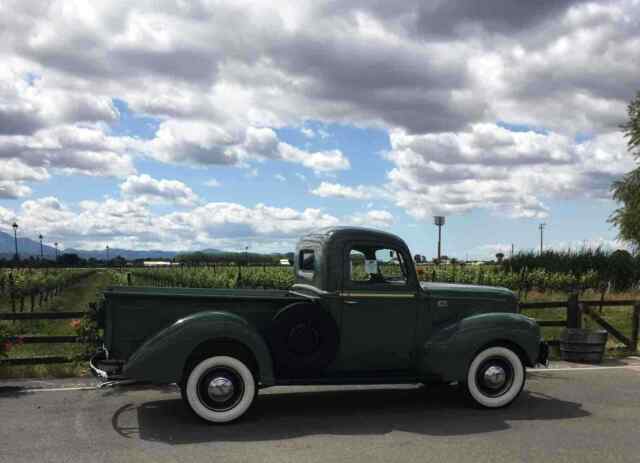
(376, 265)
(307, 261)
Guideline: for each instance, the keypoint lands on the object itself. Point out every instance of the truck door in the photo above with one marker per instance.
(379, 309)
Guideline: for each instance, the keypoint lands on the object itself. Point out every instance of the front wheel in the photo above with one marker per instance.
(495, 377)
(219, 389)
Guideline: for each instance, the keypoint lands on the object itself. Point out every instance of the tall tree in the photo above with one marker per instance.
(627, 190)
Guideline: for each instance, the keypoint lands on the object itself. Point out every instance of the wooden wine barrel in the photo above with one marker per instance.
(582, 345)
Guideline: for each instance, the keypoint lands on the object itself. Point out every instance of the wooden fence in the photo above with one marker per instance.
(37, 339)
(575, 310)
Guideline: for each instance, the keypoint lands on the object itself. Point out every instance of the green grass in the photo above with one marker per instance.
(74, 298)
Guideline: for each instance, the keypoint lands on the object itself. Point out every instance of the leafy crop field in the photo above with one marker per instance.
(277, 277)
(31, 288)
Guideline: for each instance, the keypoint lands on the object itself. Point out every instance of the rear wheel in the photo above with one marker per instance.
(219, 389)
(495, 377)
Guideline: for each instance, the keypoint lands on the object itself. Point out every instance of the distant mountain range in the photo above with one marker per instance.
(28, 247)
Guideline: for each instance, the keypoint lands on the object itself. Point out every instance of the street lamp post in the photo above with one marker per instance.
(15, 239)
(107, 249)
(56, 245)
(541, 227)
(41, 247)
(439, 221)
(246, 255)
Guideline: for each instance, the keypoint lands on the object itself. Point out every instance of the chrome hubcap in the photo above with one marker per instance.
(494, 377)
(220, 389)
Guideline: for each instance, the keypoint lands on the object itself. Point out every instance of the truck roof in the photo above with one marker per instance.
(346, 232)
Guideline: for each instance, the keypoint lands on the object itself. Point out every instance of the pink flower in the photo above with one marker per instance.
(75, 324)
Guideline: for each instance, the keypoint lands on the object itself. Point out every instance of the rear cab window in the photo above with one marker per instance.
(306, 263)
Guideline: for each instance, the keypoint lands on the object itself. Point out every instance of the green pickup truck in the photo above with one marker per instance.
(357, 314)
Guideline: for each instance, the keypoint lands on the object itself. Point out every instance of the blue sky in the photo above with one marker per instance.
(176, 129)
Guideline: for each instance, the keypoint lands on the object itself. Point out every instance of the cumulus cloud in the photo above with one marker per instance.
(131, 222)
(71, 149)
(374, 218)
(222, 78)
(203, 143)
(13, 190)
(336, 190)
(213, 183)
(489, 167)
(149, 189)
(29, 105)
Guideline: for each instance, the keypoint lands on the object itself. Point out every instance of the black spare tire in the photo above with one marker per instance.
(304, 339)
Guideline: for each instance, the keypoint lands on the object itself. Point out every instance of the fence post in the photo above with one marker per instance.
(635, 326)
(128, 279)
(574, 317)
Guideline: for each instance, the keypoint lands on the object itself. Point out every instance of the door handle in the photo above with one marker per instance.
(351, 301)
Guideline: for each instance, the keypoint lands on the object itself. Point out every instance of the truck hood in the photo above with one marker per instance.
(452, 303)
(445, 290)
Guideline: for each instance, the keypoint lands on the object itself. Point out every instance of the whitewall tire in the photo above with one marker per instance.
(220, 389)
(495, 377)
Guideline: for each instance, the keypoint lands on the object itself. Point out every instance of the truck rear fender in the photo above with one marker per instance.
(163, 357)
(450, 350)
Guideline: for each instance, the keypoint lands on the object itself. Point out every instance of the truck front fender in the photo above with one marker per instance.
(162, 358)
(450, 350)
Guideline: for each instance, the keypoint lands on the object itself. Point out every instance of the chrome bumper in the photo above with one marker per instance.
(104, 368)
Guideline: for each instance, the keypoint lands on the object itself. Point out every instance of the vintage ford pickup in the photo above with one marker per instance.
(357, 314)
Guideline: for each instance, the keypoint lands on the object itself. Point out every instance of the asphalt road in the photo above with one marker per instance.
(578, 416)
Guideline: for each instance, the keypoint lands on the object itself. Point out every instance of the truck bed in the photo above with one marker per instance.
(133, 314)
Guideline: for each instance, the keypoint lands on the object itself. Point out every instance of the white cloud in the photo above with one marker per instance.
(280, 177)
(336, 190)
(318, 161)
(374, 218)
(13, 190)
(213, 183)
(28, 106)
(489, 167)
(148, 189)
(130, 222)
(203, 143)
(221, 78)
(196, 142)
(72, 150)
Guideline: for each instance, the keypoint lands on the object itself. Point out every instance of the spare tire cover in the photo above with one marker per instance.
(304, 338)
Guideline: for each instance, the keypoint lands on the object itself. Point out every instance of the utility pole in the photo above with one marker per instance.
(512, 248)
(41, 247)
(541, 227)
(439, 220)
(107, 249)
(246, 255)
(15, 239)
(56, 245)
